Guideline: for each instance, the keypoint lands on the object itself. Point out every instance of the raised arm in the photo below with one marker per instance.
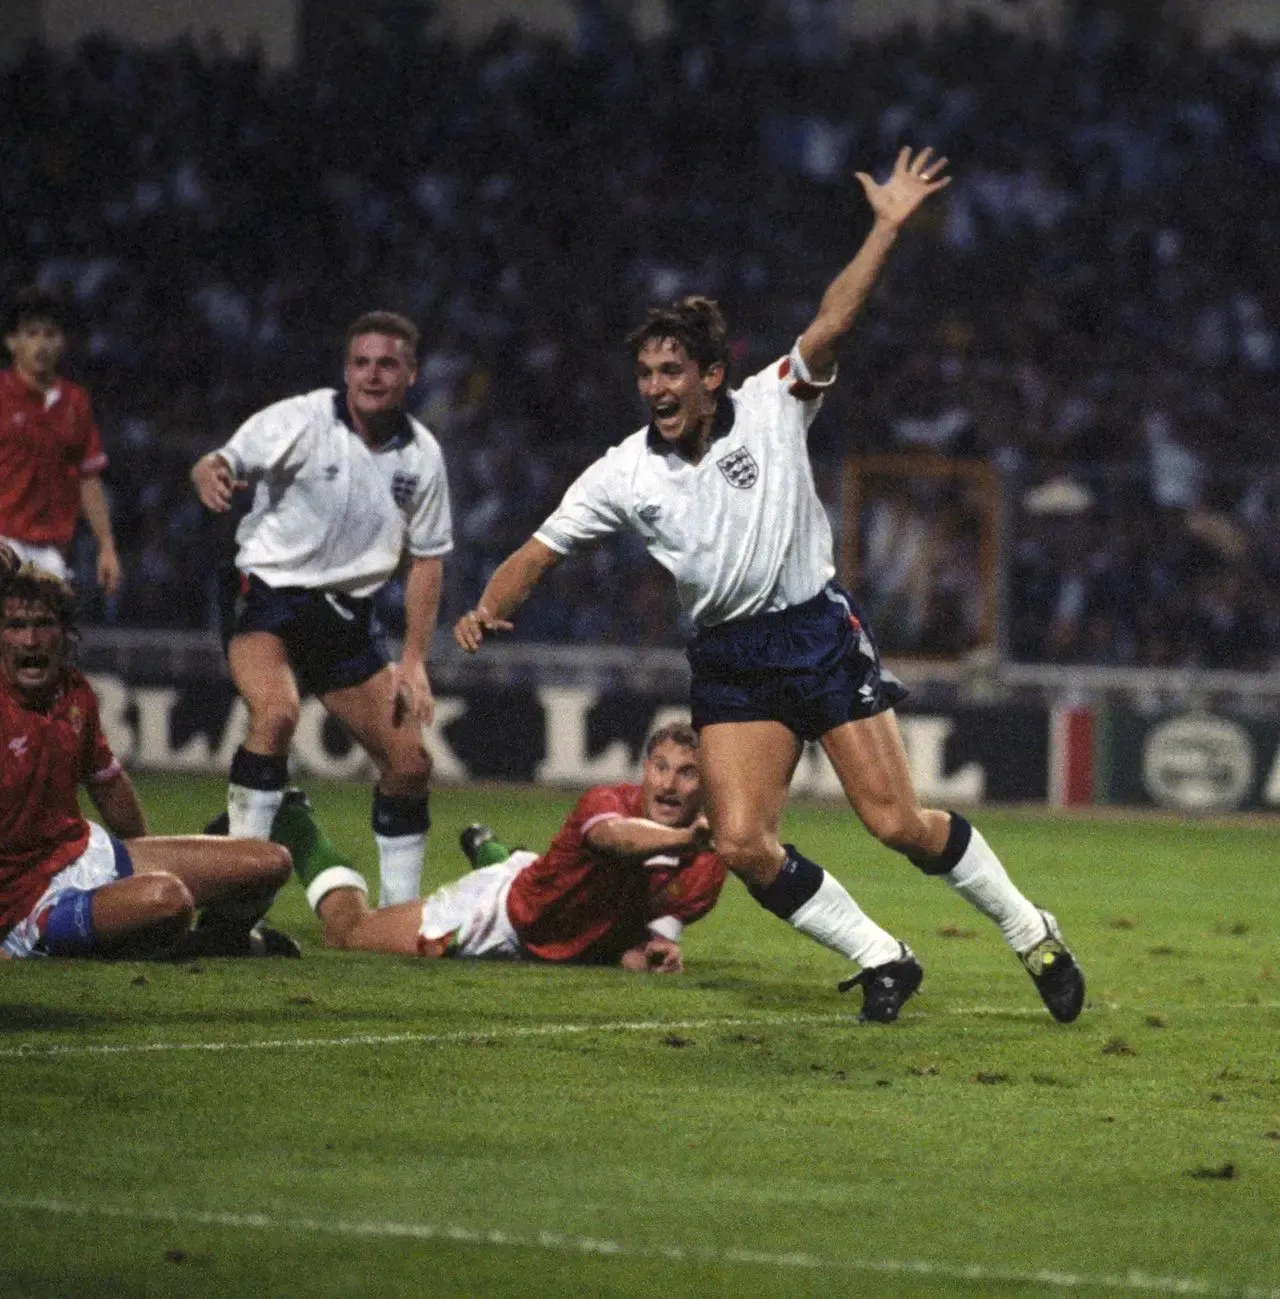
(913, 179)
(504, 593)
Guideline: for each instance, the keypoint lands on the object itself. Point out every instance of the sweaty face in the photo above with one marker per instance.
(670, 785)
(36, 348)
(378, 373)
(32, 645)
(679, 396)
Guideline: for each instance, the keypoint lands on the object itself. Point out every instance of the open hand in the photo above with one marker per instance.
(913, 179)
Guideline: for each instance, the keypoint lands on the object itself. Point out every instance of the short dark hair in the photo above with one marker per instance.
(31, 304)
(38, 586)
(696, 323)
(680, 733)
(385, 322)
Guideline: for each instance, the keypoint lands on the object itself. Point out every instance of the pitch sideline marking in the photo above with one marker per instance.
(555, 1242)
(34, 1051)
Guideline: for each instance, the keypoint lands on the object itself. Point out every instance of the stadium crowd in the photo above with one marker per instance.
(1091, 306)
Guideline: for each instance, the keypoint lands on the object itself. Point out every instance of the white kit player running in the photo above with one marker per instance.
(347, 487)
(719, 488)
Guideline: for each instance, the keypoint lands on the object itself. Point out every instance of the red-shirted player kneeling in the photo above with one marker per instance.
(72, 888)
(629, 868)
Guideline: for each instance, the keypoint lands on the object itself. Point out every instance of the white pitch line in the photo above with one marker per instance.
(555, 1242)
(36, 1051)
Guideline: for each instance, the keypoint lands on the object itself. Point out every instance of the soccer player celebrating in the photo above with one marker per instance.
(628, 870)
(72, 888)
(51, 456)
(347, 487)
(720, 489)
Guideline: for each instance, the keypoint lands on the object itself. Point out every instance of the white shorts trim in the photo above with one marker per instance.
(474, 909)
(94, 867)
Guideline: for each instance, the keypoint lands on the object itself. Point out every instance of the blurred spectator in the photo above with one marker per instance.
(1092, 307)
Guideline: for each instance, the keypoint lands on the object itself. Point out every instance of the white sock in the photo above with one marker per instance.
(980, 879)
(833, 918)
(400, 867)
(250, 812)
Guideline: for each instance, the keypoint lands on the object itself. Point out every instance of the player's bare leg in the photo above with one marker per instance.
(144, 915)
(746, 773)
(262, 676)
(351, 925)
(232, 882)
(214, 869)
(393, 739)
(871, 762)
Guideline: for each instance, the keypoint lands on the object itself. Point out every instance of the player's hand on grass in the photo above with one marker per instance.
(215, 483)
(657, 956)
(913, 179)
(470, 630)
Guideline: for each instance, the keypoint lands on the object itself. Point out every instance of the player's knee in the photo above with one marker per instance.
(165, 900)
(749, 855)
(897, 826)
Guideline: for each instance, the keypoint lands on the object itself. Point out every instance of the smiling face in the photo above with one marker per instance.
(36, 347)
(379, 371)
(33, 645)
(670, 784)
(680, 397)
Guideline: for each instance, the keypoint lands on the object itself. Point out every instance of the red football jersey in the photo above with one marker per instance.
(572, 904)
(48, 442)
(45, 756)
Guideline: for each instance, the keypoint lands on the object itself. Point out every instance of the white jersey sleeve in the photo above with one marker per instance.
(592, 508)
(265, 441)
(429, 525)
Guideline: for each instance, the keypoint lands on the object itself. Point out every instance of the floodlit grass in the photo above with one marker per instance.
(347, 1125)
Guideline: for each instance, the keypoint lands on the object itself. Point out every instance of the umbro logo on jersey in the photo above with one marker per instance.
(650, 513)
(403, 486)
(331, 472)
(18, 746)
(739, 467)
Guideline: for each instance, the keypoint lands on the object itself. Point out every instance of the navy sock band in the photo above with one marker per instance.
(797, 881)
(259, 770)
(397, 816)
(949, 858)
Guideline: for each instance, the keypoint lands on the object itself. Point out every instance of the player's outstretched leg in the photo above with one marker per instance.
(813, 901)
(973, 870)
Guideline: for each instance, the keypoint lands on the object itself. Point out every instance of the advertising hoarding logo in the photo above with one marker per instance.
(1198, 763)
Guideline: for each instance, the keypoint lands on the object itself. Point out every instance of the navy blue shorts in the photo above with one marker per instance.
(812, 667)
(332, 640)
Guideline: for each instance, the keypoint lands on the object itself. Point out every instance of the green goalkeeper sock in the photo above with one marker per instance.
(491, 852)
(311, 848)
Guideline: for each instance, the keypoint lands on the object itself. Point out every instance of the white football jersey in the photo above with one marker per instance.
(743, 532)
(327, 510)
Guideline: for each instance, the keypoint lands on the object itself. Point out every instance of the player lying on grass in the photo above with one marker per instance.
(72, 888)
(629, 868)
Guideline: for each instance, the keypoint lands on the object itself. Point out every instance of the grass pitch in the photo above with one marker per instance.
(347, 1125)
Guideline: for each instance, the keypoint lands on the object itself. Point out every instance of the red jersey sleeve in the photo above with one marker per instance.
(98, 763)
(93, 456)
(687, 891)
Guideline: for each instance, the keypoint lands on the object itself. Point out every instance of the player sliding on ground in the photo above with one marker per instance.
(72, 888)
(719, 488)
(627, 871)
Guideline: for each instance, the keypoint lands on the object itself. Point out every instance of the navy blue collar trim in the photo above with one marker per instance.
(721, 424)
(401, 434)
